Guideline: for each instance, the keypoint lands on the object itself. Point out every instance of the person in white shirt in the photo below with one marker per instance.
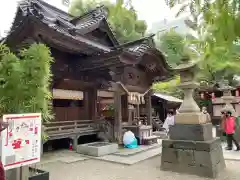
(169, 121)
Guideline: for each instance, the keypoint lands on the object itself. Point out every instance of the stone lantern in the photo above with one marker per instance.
(227, 96)
(191, 148)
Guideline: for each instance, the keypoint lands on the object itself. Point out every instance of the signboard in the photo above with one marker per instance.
(21, 141)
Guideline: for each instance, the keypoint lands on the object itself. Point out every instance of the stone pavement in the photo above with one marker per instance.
(64, 156)
(147, 170)
(230, 155)
(68, 165)
(124, 156)
(133, 156)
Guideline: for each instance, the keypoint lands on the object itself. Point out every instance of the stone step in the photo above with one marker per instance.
(160, 134)
(141, 149)
(130, 160)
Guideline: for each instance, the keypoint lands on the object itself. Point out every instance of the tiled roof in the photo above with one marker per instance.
(92, 18)
(139, 47)
(76, 28)
(60, 21)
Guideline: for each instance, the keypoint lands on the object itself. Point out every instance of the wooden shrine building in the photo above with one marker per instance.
(88, 58)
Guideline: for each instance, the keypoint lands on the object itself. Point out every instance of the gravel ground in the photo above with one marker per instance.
(146, 170)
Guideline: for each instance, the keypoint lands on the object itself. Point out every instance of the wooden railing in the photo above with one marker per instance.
(68, 129)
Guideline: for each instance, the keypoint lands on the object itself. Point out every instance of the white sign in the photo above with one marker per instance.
(21, 141)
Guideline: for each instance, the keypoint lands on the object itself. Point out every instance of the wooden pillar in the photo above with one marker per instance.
(131, 116)
(86, 104)
(93, 103)
(117, 114)
(124, 101)
(138, 112)
(90, 103)
(148, 101)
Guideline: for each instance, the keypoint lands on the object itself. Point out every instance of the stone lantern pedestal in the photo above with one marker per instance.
(191, 148)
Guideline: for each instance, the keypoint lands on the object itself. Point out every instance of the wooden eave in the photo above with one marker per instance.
(107, 28)
(136, 53)
(95, 19)
(57, 30)
(56, 11)
(93, 12)
(60, 38)
(18, 34)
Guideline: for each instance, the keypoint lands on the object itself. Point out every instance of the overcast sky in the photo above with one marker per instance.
(149, 10)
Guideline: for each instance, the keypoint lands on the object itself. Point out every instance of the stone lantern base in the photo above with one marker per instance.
(203, 158)
(191, 118)
(193, 132)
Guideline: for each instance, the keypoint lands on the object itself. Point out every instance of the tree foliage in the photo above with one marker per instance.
(217, 26)
(169, 87)
(123, 18)
(174, 46)
(25, 81)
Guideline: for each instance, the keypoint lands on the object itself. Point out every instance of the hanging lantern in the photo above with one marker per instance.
(213, 95)
(202, 95)
(237, 93)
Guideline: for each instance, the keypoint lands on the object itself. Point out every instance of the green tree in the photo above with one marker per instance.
(169, 87)
(173, 45)
(25, 81)
(212, 15)
(217, 26)
(123, 18)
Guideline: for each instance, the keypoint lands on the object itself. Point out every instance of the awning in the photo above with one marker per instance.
(168, 98)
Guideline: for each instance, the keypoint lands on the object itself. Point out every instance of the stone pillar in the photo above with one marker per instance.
(191, 148)
(117, 114)
(75, 142)
(148, 101)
